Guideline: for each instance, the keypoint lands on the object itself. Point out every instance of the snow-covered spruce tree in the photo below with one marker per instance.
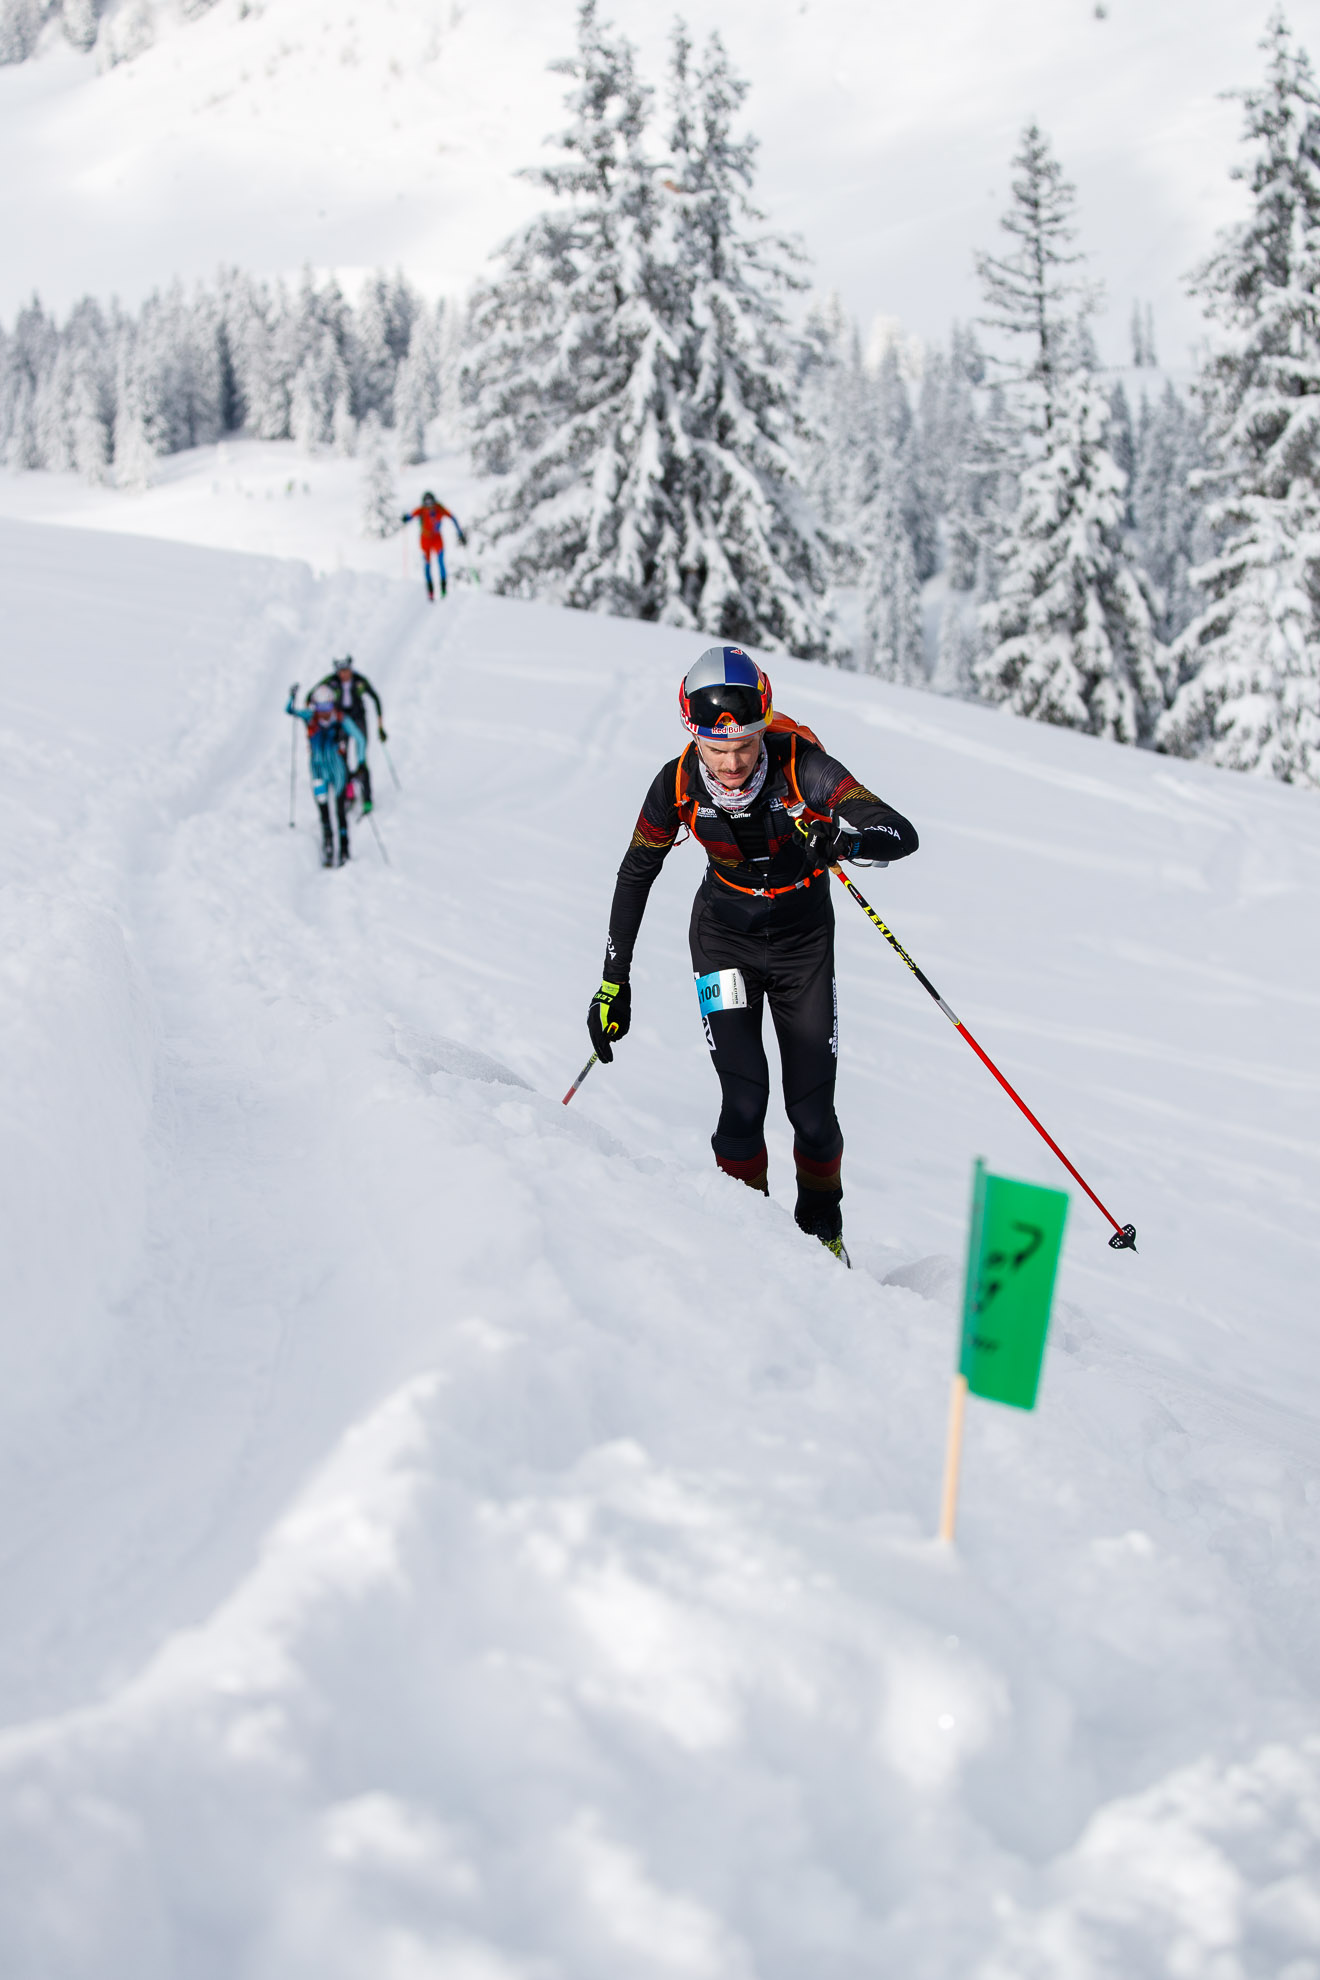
(74, 403)
(630, 381)
(1168, 510)
(1122, 441)
(1069, 632)
(1036, 297)
(381, 333)
(28, 354)
(21, 22)
(380, 497)
(752, 564)
(891, 591)
(901, 446)
(137, 438)
(1250, 663)
(416, 389)
(966, 464)
(841, 450)
(569, 383)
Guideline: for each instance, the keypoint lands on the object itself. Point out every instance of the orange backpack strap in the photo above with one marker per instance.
(799, 808)
(685, 801)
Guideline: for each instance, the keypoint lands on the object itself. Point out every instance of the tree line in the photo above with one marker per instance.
(665, 435)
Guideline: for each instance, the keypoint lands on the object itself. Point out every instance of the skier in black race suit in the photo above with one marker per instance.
(772, 810)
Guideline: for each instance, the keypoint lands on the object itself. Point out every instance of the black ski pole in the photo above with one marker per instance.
(390, 760)
(592, 1061)
(293, 763)
(1125, 1236)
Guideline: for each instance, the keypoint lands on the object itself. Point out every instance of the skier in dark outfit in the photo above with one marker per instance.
(772, 810)
(351, 688)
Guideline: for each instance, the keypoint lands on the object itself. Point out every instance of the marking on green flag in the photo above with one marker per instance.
(1012, 1257)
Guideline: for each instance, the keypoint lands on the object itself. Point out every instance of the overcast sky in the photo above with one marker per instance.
(351, 135)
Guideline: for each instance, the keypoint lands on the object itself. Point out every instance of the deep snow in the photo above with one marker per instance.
(442, 1533)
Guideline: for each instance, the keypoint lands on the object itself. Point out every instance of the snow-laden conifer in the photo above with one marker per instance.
(379, 333)
(968, 471)
(900, 443)
(74, 402)
(1168, 509)
(420, 382)
(1250, 693)
(1036, 295)
(891, 591)
(751, 560)
(569, 381)
(21, 23)
(380, 496)
(1070, 632)
(630, 385)
(81, 20)
(840, 449)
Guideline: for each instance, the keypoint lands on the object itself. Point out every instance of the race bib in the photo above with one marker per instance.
(722, 990)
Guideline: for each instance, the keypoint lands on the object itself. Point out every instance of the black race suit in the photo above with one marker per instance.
(354, 704)
(763, 908)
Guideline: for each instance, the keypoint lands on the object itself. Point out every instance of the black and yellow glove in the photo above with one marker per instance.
(830, 839)
(608, 1016)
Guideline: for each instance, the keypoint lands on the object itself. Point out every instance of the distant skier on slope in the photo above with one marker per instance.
(431, 515)
(329, 733)
(351, 689)
(771, 810)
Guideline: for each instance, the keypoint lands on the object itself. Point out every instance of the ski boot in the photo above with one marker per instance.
(824, 1222)
(343, 849)
(327, 837)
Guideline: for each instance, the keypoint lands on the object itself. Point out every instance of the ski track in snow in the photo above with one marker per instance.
(447, 1534)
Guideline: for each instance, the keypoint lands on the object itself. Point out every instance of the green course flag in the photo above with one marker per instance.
(1012, 1255)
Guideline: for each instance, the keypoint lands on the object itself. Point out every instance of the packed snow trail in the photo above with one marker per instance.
(446, 1533)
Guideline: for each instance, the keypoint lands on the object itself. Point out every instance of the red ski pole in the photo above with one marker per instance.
(578, 1081)
(1125, 1236)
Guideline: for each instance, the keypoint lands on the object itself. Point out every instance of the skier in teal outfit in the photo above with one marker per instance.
(329, 733)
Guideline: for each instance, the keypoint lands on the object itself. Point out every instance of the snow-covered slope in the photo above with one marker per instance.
(442, 1533)
(270, 133)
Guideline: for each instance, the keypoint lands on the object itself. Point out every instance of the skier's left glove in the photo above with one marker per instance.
(608, 1017)
(462, 539)
(380, 732)
(835, 839)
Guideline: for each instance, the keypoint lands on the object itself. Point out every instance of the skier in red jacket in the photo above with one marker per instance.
(431, 515)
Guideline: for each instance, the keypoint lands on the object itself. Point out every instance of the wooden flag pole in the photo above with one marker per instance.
(953, 1457)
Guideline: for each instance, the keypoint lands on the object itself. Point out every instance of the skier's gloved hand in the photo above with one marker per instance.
(845, 841)
(608, 1016)
(834, 839)
(823, 837)
(462, 539)
(380, 732)
(852, 842)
